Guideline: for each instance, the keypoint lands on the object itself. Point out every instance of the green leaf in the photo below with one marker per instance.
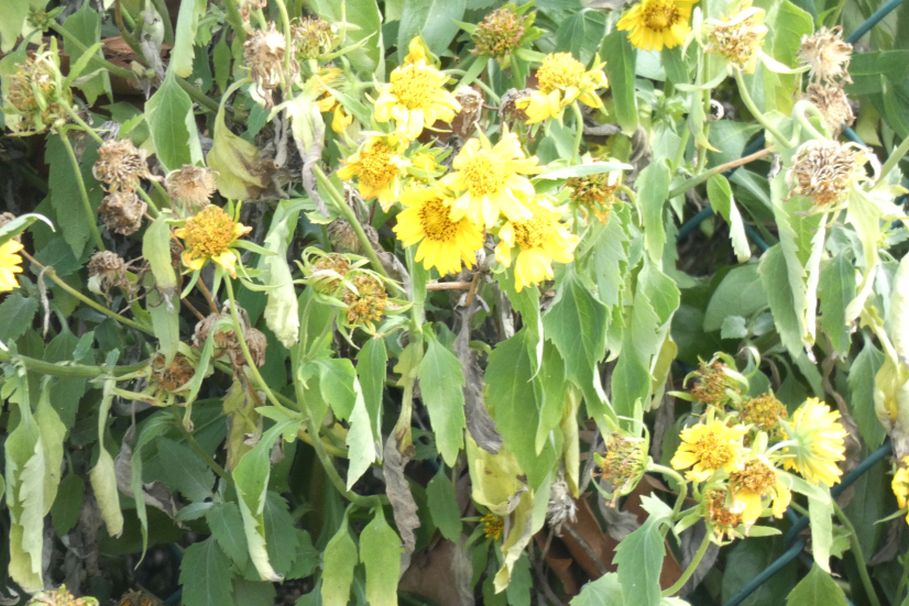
(336, 382)
(240, 171)
(442, 392)
(12, 18)
(653, 193)
(85, 26)
(739, 294)
(254, 593)
(372, 364)
(184, 471)
(67, 506)
(369, 56)
(639, 558)
(164, 310)
(338, 563)
(604, 590)
(183, 52)
(205, 575)
(837, 288)
(620, 65)
(172, 125)
(156, 250)
(17, 226)
(774, 279)
(817, 589)
(103, 478)
(64, 192)
(720, 194)
(282, 314)
(747, 559)
(363, 439)
(380, 552)
(280, 535)
(581, 34)
(17, 312)
(861, 393)
(869, 69)
(226, 525)
(779, 91)
(434, 20)
(443, 506)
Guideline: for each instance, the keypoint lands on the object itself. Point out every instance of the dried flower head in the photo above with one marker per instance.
(508, 108)
(714, 384)
(622, 465)
(120, 166)
(36, 96)
(342, 236)
(328, 272)
(171, 377)
(225, 338)
(764, 413)
(465, 121)
(738, 39)
(192, 185)
(248, 6)
(493, 526)
(826, 170)
(500, 33)
(596, 193)
(833, 104)
(107, 270)
(312, 37)
(561, 508)
(122, 212)
(60, 597)
(719, 516)
(366, 300)
(264, 51)
(827, 55)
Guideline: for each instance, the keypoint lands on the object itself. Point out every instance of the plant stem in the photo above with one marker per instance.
(244, 347)
(83, 193)
(197, 95)
(904, 578)
(70, 39)
(288, 38)
(52, 274)
(718, 170)
(84, 126)
(692, 566)
(579, 129)
(758, 114)
(58, 369)
(681, 484)
(894, 159)
(858, 555)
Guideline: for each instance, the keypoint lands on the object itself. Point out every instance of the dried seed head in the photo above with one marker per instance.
(366, 304)
(465, 121)
(248, 6)
(499, 33)
(173, 376)
(832, 102)
(739, 39)
(328, 272)
(825, 170)
(264, 51)
(764, 413)
(827, 55)
(60, 597)
(508, 111)
(622, 465)
(225, 339)
(192, 185)
(312, 37)
(596, 193)
(561, 508)
(342, 236)
(120, 166)
(108, 269)
(122, 212)
(713, 384)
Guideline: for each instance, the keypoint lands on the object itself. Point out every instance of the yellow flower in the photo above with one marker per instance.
(816, 442)
(540, 240)
(377, 165)
(491, 179)
(758, 484)
(10, 265)
(208, 236)
(708, 447)
(561, 80)
(415, 97)
(444, 243)
(654, 24)
(900, 485)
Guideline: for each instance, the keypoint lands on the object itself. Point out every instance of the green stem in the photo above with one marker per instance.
(197, 95)
(718, 170)
(288, 38)
(197, 448)
(758, 114)
(84, 126)
(858, 555)
(244, 347)
(692, 566)
(579, 129)
(149, 201)
(479, 82)
(70, 39)
(904, 578)
(83, 193)
(894, 159)
(349, 215)
(681, 486)
(58, 369)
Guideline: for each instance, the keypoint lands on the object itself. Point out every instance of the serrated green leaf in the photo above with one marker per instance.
(67, 506)
(620, 64)
(156, 250)
(280, 536)
(184, 470)
(12, 17)
(85, 26)
(719, 192)
(226, 525)
(164, 309)
(183, 52)
(338, 563)
(64, 192)
(205, 575)
(817, 589)
(604, 590)
(653, 193)
(442, 392)
(336, 382)
(862, 372)
(363, 441)
(443, 506)
(172, 126)
(380, 553)
(837, 288)
(639, 558)
(739, 294)
(17, 312)
(372, 364)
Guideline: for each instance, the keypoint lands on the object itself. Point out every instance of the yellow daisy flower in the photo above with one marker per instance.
(540, 240)
(10, 265)
(562, 80)
(208, 236)
(491, 179)
(655, 24)
(816, 442)
(755, 486)
(378, 166)
(900, 485)
(415, 97)
(709, 447)
(444, 243)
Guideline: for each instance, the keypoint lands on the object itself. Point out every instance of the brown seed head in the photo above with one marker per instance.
(192, 185)
(173, 376)
(122, 212)
(832, 102)
(465, 121)
(825, 170)
(120, 166)
(508, 111)
(109, 268)
(827, 55)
